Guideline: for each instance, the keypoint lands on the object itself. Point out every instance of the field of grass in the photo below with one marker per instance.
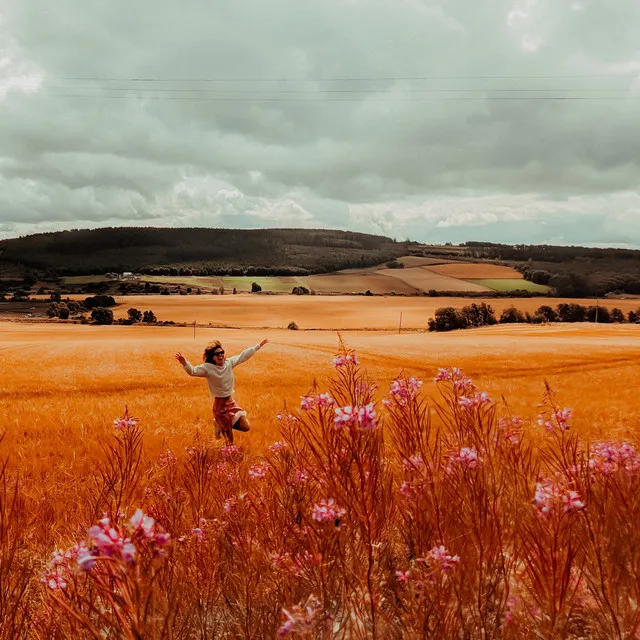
(245, 546)
(281, 284)
(511, 284)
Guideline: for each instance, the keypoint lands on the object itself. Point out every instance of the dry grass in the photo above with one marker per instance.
(476, 271)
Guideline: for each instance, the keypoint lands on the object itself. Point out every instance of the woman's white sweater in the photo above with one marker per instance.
(220, 378)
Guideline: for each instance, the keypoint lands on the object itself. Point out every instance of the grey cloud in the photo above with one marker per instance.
(321, 158)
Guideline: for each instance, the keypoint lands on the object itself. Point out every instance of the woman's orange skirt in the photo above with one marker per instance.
(226, 413)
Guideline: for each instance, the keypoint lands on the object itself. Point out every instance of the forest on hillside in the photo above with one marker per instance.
(202, 251)
(570, 271)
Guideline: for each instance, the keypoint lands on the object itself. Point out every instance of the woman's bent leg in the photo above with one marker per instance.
(242, 424)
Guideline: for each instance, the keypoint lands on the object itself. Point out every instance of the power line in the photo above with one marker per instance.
(323, 91)
(351, 99)
(340, 79)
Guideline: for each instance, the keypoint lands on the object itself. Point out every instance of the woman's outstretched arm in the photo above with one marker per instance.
(199, 371)
(247, 353)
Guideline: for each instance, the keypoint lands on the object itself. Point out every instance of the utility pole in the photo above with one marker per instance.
(597, 308)
(194, 329)
(400, 325)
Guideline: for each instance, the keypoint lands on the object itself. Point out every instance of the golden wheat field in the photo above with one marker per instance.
(324, 312)
(62, 385)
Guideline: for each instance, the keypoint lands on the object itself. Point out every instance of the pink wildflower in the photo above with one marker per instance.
(442, 557)
(364, 418)
(300, 620)
(259, 471)
(277, 447)
(404, 389)
(299, 477)
(403, 576)
(552, 496)
(343, 360)
(327, 511)
(466, 458)
(320, 400)
(142, 524)
(230, 451)
(124, 422)
(610, 457)
(478, 399)
(129, 552)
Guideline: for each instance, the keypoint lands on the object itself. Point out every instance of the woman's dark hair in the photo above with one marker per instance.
(211, 348)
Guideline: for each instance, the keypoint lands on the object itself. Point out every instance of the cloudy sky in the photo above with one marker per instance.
(506, 120)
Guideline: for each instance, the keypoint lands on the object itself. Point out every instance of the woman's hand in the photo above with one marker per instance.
(263, 343)
(181, 359)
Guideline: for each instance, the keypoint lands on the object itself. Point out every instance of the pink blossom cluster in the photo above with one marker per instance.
(442, 558)
(259, 471)
(363, 418)
(56, 575)
(404, 389)
(327, 511)
(321, 400)
(553, 496)
(278, 447)
(230, 451)
(124, 422)
(466, 458)
(511, 429)
(455, 376)
(299, 477)
(300, 619)
(610, 457)
(476, 400)
(343, 360)
(561, 418)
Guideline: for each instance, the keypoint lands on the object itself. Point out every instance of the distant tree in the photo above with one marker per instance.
(479, 315)
(63, 312)
(634, 316)
(55, 296)
(447, 319)
(617, 315)
(571, 312)
(512, 315)
(135, 315)
(150, 317)
(100, 315)
(235, 291)
(99, 301)
(547, 313)
(293, 326)
(598, 314)
(255, 287)
(221, 290)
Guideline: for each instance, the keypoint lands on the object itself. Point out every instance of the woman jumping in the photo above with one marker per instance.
(218, 371)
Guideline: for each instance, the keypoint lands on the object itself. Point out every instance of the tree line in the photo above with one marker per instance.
(480, 315)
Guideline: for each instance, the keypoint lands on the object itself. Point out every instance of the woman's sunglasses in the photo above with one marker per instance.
(218, 353)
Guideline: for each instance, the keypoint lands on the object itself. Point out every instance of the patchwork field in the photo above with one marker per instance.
(419, 275)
